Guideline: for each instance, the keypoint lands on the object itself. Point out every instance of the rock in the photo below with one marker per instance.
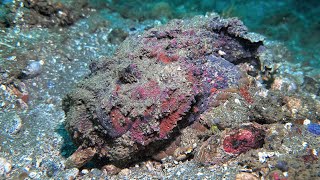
(246, 176)
(125, 172)
(32, 69)
(5, 166)
(14, 125)
(117, 35)
(80, 157)
(110, 169)
(50, 167)
(84, 171)
(33, 175)
(243, 139)
(96, 172)
(68, 174)
(311, 85)
(282, 165)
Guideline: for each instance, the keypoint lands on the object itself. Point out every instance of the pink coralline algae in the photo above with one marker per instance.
(243, 139)
(158, 83)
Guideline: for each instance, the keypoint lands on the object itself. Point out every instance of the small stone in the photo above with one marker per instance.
(246, 138)
(237, 101)
(21, 104)
(264, 171)
(221, 53)
(80, 157)
(33, 175)
(245, 176)
(84, 171)
(5, 166)
(178, 173)
(49, 166)
(117, 35)
(264, 155)
(282, 165)
(288, 126)
(110, 169)
(33, 69)
(69, 174)
(15, 124)
(306, 122)
(3, 87)
(276, 174)
(96, 172)
(149, 166)
(125, 172)
(293, 104)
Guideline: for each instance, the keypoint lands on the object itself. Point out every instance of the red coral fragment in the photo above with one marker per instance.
(242, 140)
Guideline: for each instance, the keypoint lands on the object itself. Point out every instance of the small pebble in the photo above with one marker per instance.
(70, 174)
(5, 166)
(50, 166)
(221, 53)
(15, 125)
(32, 175)
(96, 172)
(149, 166)
(282, 165)
(84, 171)
(110, 169)
(245, 176)
(33, 69)
(306, 122)
(124, 172)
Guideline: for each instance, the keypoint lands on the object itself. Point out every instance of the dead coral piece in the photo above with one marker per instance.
(246, 176)
(110, 169)
(243, 139)
(80, 157)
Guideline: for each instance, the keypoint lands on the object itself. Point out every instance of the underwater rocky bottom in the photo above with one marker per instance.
(201, 90)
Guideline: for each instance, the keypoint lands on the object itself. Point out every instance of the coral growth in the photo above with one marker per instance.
(241, 140)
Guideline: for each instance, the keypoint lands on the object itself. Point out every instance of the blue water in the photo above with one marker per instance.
(296, 23)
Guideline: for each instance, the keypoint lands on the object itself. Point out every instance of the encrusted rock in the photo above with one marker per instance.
(110, 169)
(245, 176)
